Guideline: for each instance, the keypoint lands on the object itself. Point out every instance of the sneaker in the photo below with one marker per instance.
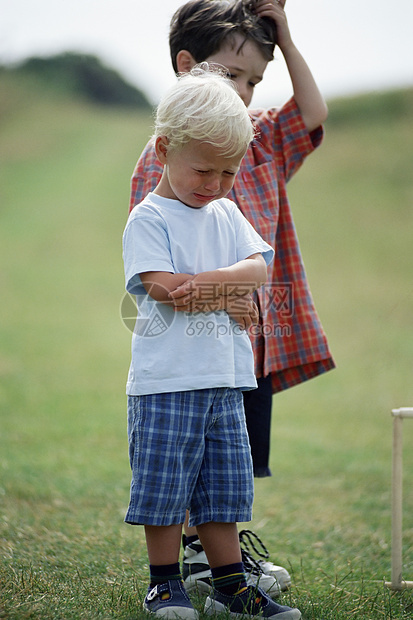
(252, 603)
(281, 574)
(249, 540)
(196, 573)
(169, 600)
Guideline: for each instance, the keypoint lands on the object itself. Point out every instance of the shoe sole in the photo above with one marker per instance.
(174, 613)
(213, 607)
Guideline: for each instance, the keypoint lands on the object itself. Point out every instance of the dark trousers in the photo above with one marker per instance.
(258, 404)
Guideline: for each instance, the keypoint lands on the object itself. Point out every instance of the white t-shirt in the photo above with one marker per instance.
(178, 351)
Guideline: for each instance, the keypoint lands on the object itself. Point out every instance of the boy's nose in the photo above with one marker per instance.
(244, 93)
(245, 98)
(213, 183)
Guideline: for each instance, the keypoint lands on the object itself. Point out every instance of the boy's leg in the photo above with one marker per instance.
(166, 595)
(196, 570)
(258, 406)
(221, 543)
(163, 543)
(230, 487)
(230, 592)
(258, 410)
(154, 430)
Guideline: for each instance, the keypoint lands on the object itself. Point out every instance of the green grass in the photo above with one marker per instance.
(64, 473)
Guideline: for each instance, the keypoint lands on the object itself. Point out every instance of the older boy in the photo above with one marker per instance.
(188, 441)
(289, 345)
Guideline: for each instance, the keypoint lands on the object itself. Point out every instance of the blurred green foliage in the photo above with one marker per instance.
(369, 107)
(84, 76)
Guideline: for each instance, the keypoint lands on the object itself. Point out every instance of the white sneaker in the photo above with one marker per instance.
(281, 574)
(249, 540)
(196, 573)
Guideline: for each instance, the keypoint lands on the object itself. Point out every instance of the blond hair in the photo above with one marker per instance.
(204, 105)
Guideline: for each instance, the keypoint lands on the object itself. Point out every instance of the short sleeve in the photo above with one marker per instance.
(248, 240)
(146, 247)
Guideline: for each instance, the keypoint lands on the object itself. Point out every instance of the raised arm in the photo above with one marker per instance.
(307, 95)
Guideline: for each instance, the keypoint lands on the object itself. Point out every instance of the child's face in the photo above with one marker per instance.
(195, 174)
(246, 68)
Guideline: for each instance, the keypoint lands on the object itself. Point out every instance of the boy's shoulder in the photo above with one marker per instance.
(225, 206)
(149, 207)
(276, 115)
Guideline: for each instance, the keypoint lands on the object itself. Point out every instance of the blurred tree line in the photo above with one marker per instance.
(84, 76)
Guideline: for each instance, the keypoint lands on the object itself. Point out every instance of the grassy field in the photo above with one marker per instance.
(64, 354)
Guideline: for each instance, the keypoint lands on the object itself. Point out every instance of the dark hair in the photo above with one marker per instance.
(202, 27)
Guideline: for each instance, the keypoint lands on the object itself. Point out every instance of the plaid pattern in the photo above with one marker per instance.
(189, 450)
(291, 344)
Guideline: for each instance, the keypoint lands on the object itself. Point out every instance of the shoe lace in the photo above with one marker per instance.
(250, 541)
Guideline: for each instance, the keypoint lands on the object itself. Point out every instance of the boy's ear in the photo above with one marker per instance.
(185, 61)
(161, 148)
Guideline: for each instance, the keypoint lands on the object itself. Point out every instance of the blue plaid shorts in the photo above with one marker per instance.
(189, 450)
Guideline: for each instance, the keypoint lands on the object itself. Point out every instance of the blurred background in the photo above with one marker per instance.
(351, 46)
(77, 86)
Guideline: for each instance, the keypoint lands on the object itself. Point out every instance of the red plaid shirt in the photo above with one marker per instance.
(290, 342)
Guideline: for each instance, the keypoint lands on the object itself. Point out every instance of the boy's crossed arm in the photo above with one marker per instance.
(227, 288)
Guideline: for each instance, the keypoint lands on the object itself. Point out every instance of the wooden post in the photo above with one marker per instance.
(397, 582)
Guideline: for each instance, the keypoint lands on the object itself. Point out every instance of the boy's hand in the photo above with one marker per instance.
(274, 9)
(192, 294)
(243, 310)
(239, 280)
(305, 90)
(203, 297)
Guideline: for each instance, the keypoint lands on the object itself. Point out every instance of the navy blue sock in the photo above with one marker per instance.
(164, 572)
(187, 540)
(229, 579)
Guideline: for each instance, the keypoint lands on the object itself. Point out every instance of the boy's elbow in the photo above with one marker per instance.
(316, 117)
(263, 273)
(264, 277)
(258, 275)
(324, 113)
